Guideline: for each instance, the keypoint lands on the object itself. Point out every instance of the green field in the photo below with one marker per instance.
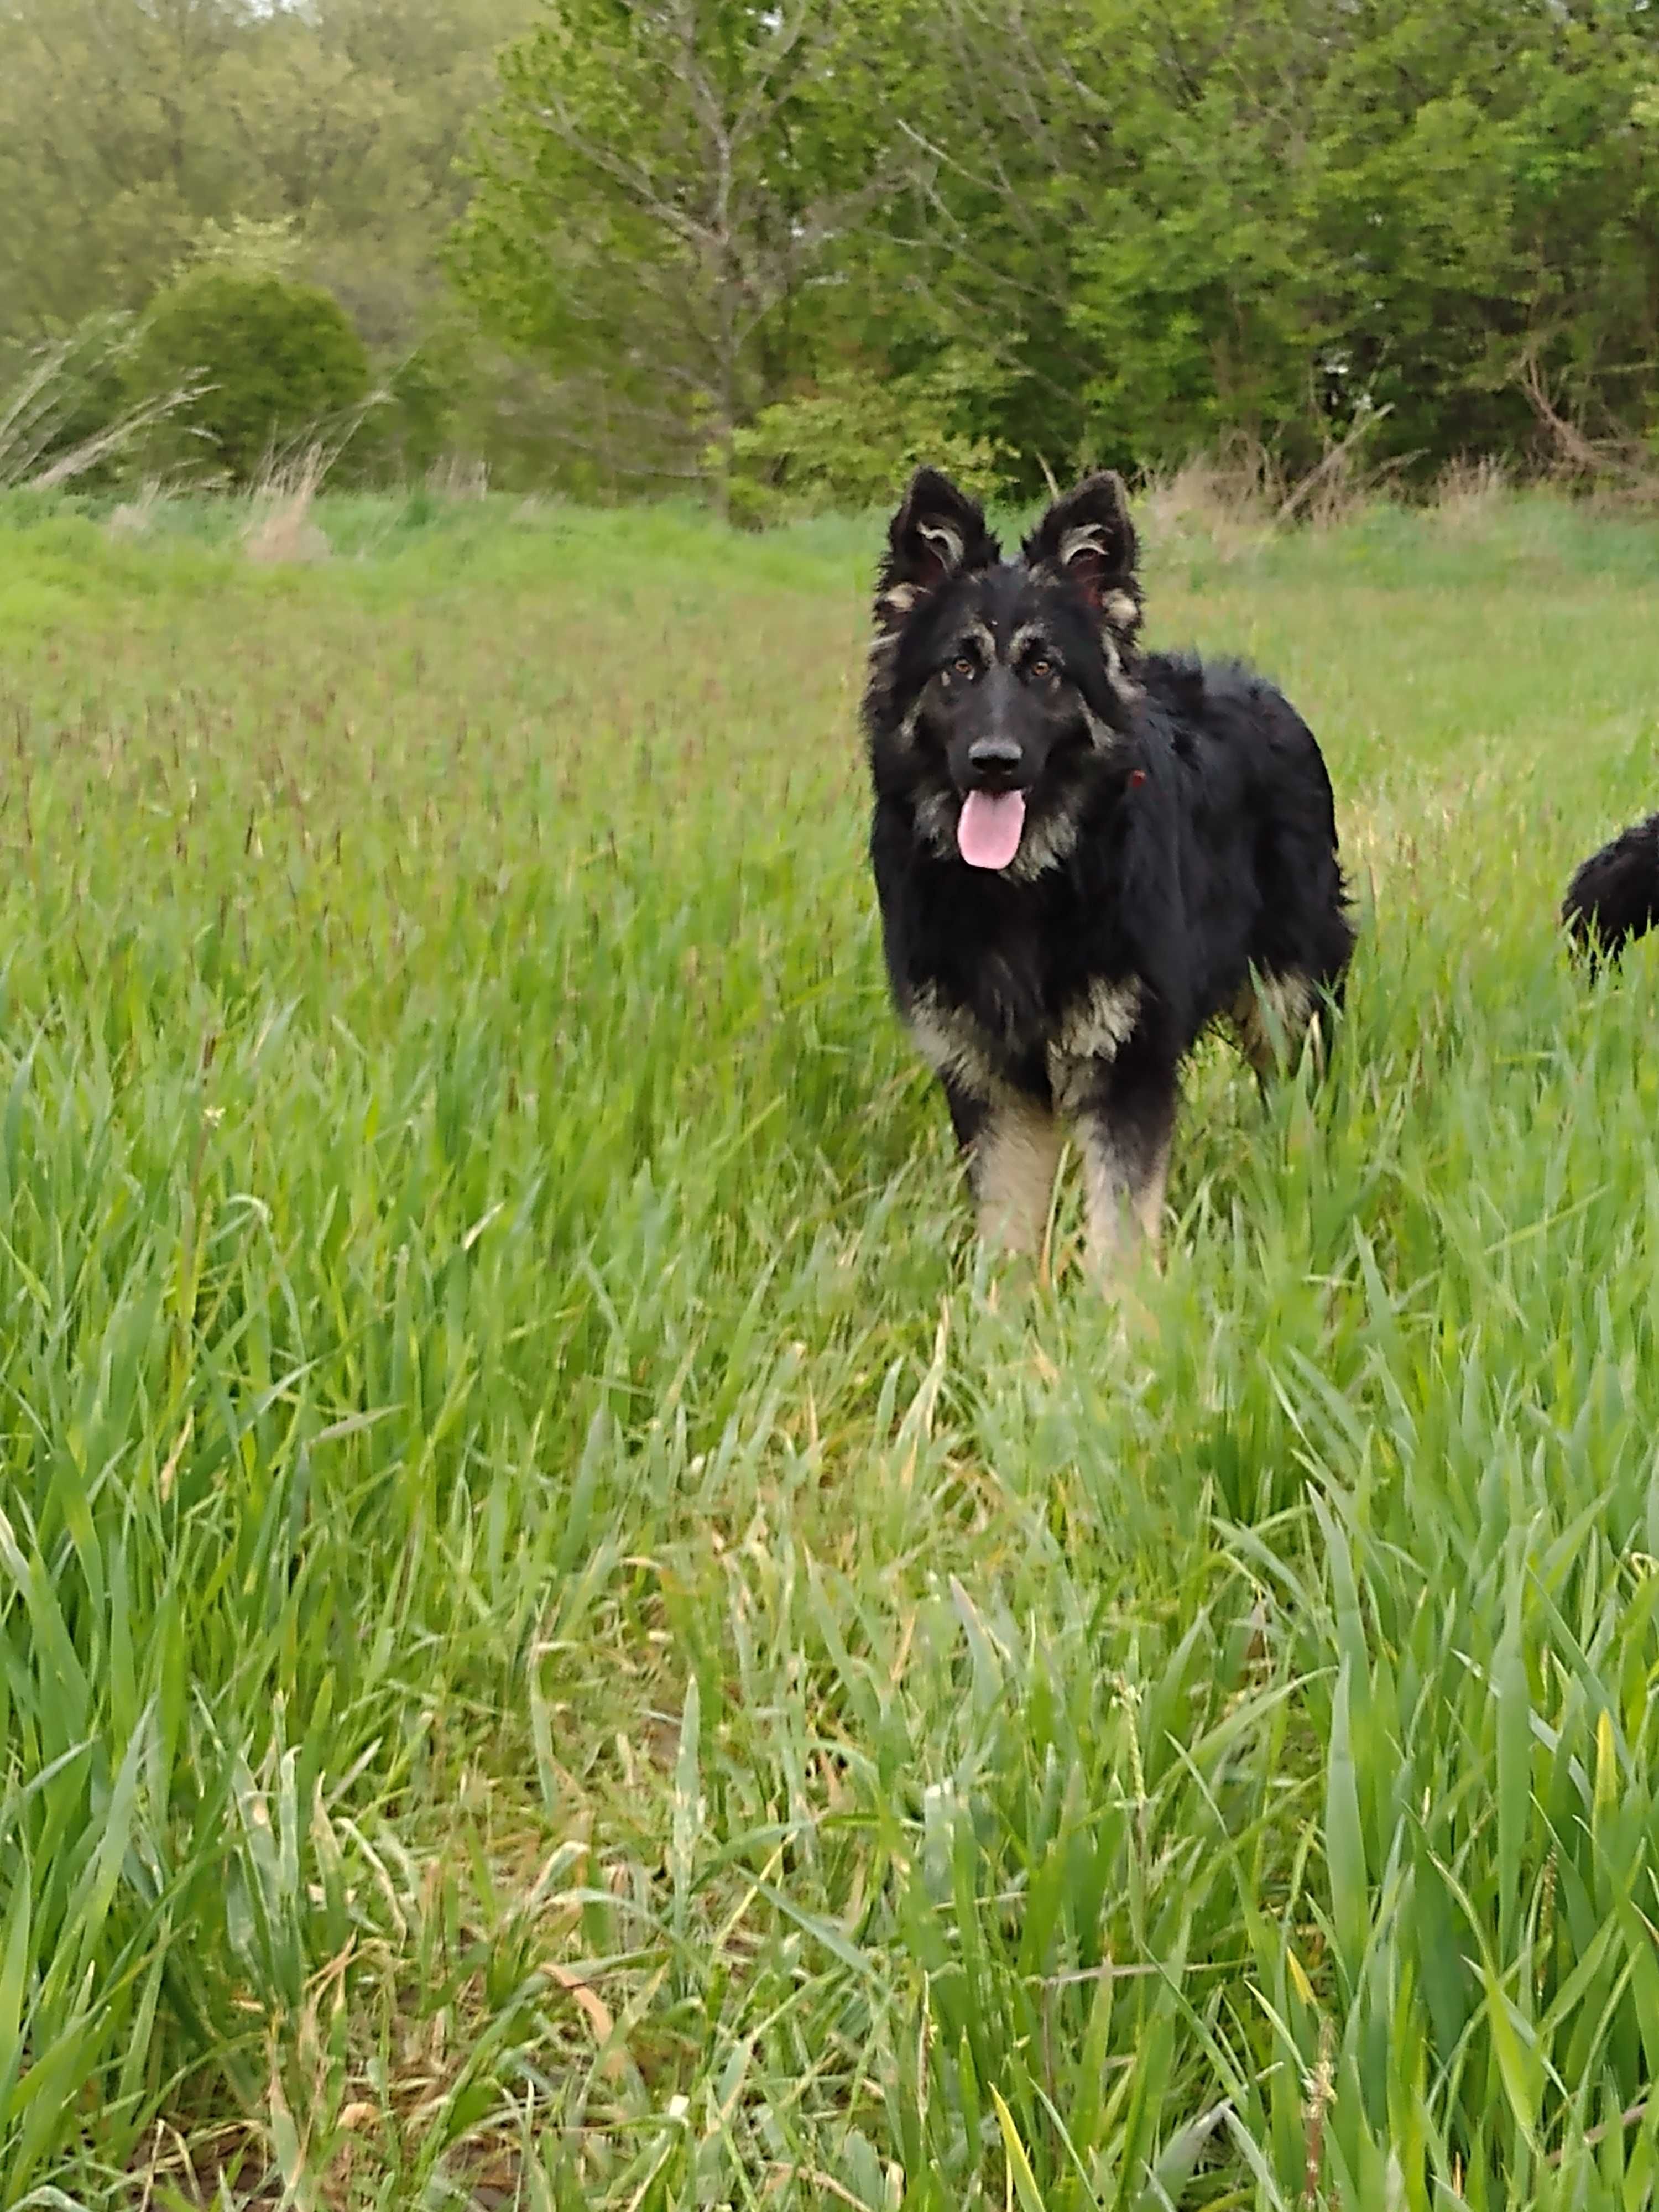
(564, 1644)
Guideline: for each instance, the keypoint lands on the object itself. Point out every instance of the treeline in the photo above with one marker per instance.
(131, 129)
(782, 250)
(318, 144)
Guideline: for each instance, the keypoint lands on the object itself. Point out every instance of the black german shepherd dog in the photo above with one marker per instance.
(1084, 854)
(1615, 894)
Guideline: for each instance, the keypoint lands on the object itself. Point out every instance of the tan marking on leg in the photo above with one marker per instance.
(1149, 1202)
(1016, 1156)
(1272, 1015)
(1122, 1212)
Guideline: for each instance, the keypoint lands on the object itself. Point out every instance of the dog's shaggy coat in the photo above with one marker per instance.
(1615, 896)
(1083, 853)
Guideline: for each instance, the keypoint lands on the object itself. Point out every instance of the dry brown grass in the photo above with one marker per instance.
(459, 476)
(1217, 501)
(1239, 499)
(1467, 493)
(1607, 461)
(280, 527)
(136, 516)
(1234, 499)
(33, 417)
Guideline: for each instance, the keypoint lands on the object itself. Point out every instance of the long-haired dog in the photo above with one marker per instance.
(1084, 854)
(1615, 896)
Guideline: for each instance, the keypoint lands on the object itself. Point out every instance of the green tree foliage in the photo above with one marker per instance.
(847, 443)
(1310, 209)
(281, 362)
(114, 148)
(1051, 230)
(129, 127)
(138, 137)
(1387, 204)
(1141, 230)
(665, 190)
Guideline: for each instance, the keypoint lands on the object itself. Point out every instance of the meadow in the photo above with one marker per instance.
(565, 1641)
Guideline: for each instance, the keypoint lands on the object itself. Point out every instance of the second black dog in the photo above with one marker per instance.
(1615, 896)
(1084, 853)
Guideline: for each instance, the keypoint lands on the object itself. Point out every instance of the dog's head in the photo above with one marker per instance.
(997, 685)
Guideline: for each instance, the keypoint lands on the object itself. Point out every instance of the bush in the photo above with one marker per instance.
(851, 444)
(281, 362)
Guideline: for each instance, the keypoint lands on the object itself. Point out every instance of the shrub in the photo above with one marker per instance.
(281, 360)
(851, 444)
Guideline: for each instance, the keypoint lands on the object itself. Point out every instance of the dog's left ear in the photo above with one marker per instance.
(1089, 537)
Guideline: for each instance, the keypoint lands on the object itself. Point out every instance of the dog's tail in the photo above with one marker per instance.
(1615, 895)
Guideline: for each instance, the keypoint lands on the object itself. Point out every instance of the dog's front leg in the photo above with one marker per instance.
(1011, 1144)
(1125, 1121)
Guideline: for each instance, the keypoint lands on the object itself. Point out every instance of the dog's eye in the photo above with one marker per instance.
(963, 665)
(1041, 667)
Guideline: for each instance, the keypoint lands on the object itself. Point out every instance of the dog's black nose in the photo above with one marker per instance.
(995, 761)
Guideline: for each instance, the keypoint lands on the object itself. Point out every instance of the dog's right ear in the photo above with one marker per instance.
(939, 532)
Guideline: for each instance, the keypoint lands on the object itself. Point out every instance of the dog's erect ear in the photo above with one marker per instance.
(1089, 537)
(937, 532)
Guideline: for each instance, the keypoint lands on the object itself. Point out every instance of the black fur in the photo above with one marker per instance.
(1178, 849)
(1615, 895)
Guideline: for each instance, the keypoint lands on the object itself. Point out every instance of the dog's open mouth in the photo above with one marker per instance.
(987, 831)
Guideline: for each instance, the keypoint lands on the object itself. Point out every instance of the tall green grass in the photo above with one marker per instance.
(564, 1643)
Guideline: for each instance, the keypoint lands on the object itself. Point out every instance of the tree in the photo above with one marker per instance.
(1044, 231)
(129, 127)
(112, 150)
(1487, 198)
(1265, 216)
(138, 137)
(662, 188)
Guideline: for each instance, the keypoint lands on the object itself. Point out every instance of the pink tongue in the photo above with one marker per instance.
(988, 835)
